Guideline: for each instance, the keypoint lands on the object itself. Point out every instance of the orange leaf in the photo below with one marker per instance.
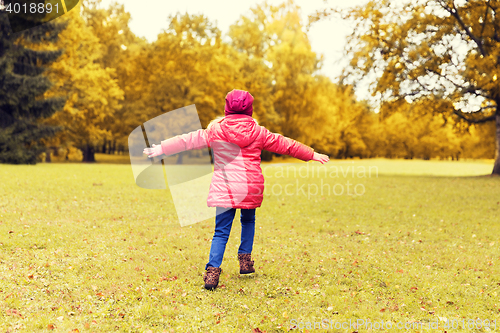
(13, 312)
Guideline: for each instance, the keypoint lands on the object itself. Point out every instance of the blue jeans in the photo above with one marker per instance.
(223, 223)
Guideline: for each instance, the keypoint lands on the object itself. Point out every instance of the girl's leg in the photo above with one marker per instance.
(223, 223)
(247, 230)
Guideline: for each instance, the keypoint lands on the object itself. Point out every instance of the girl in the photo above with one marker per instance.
(237, 182)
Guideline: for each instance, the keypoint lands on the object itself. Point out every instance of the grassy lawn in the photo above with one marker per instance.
(83, 248)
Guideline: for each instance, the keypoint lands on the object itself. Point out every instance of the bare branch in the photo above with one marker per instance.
(489, 4)
(465, 90)
(461, 115)
(454, 12)
(409, 94)
(494, 22)
(422, 86)
(485, 17)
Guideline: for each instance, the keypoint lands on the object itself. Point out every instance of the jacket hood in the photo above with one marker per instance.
(240, 129)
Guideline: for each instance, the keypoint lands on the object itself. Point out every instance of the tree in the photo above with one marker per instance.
(302, 104)
(188, 64)
(423, 48)
(343, 126)
(275, 37)
(22, 86)
(477, 142)
(410, 132)
(93, 93)
(121, 49)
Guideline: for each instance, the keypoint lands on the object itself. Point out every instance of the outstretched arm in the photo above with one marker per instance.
(282, 145)
(179, 143)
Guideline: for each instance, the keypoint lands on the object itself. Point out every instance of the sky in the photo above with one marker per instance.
(149, 18)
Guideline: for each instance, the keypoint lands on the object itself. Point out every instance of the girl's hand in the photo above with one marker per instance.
(152, 152)
(322, 158)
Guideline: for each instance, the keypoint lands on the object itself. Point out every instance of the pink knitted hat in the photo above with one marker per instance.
(239, 102)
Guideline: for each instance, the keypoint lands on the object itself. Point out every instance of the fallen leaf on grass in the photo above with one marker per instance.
(51, 326)
(13, 312)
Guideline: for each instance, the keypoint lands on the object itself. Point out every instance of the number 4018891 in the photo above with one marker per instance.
(31, 8)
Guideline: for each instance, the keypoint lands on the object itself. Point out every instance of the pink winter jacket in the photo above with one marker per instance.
(237, 141)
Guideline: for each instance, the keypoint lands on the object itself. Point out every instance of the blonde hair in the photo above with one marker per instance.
(216, 120)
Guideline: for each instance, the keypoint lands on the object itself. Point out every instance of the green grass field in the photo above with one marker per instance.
(83, 248)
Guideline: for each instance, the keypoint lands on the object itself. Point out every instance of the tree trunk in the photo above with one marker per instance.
(47, 155)
(104, 147)
(114, 147)
(212, 157)
(264, 155)
(88, 154)
(496, 167)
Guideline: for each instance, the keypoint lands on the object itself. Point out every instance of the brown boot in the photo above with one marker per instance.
(246, 263)
(211, 277)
